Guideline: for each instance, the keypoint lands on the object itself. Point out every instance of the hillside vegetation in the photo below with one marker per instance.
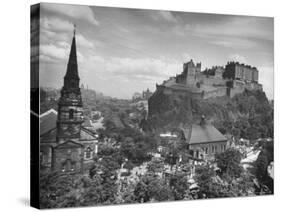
(248, 115)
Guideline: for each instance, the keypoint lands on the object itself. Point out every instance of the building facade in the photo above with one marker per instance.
(189, 74)
(204, 140)
(235, 70)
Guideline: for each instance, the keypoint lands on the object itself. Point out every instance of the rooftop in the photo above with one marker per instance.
(48, 121)
(206, 133)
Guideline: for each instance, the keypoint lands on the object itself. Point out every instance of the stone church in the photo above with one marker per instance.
(65, 145)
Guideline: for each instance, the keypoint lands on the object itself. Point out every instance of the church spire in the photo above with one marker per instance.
(71, 79)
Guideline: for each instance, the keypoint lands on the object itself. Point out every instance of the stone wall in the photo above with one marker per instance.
(46, 156)
(68, 159)
(218, 92)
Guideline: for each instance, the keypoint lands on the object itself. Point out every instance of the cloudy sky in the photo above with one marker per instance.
(121, 51)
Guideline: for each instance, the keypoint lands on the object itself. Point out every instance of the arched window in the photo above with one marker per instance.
(88, 153)
(71, 114)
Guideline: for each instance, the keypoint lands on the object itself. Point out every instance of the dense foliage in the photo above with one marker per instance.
(229, 162)
(248, 115)
(265, 157)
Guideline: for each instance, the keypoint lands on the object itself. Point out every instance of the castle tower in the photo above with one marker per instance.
(70, 110)
(190, 72)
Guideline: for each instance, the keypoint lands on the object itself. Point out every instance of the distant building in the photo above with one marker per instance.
(146, 94)
(136, 96)
(65, 145)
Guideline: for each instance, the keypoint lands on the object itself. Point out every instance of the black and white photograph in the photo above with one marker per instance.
(143, 106)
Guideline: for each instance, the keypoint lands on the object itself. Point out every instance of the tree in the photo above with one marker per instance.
(59, 190)
(152, 188)
(229, 162)
(264, 159)
(136, 146)
(156, 165)
(179, 185)
(212, 186)
(104, 172)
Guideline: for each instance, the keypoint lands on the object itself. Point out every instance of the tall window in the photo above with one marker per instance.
(206, 150)
(197, 153)
(71, 114)
(88, 153)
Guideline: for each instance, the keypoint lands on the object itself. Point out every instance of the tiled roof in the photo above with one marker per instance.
(48, 121)
(206, 133)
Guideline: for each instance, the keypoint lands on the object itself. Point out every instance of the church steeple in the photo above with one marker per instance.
(71, 79)
(70, 110)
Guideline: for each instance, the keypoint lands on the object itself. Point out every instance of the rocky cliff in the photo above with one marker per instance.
(247, 114)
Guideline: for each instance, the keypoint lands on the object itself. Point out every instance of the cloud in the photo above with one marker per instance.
(136, 69)
(58, 30)
(141, 68)
(231, 42)
(164, 15)
(234, 26)
(53, 51)
(238, 58)
(56, 24)
(73, 11)
(186, 57)
(82, 41)
(56, 38)
(168, 16)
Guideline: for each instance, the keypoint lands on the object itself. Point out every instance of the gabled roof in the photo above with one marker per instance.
(69, 144)
(206, 133)
(48, 121)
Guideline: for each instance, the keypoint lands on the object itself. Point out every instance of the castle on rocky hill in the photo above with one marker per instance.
(217, 81)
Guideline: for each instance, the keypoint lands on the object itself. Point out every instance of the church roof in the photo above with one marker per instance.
(48, 124)
(205, 133)
(48, 121)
